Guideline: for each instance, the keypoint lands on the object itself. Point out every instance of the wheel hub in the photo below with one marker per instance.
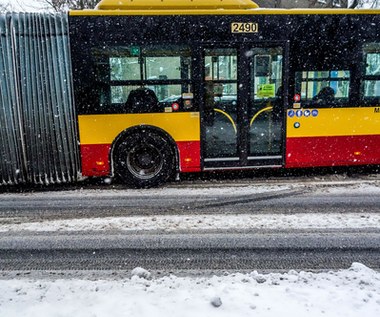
(144, 161)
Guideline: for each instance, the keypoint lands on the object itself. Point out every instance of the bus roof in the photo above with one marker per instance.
(175, 4)
(200, 7)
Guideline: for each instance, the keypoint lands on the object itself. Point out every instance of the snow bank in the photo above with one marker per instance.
(177, 223)
(346, 293)
(210, 189)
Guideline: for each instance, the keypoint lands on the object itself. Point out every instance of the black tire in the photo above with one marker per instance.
(144, 159)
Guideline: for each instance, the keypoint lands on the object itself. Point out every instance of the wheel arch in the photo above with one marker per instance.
(136, 129)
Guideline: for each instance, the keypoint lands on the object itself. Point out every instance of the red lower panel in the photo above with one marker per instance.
(95, 159)
(189, 156)
(332, 151)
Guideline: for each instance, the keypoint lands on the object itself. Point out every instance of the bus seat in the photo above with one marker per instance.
(325, 96)
(141, 100)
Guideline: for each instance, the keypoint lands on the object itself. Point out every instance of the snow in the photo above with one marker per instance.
(351, 292)
(176, 190)
(183, 222)
(25, 5)
(141, 272)
(178, 223)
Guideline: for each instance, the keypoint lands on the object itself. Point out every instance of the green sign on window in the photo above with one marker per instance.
(266, 91)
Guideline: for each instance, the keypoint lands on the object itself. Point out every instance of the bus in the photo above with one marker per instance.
(172, 86)
(163, 87)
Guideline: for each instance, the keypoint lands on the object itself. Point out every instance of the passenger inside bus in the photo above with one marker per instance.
(142, 100)
(325, 96)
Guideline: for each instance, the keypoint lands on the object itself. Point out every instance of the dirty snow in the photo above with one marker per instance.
(346, 293)
(176, 190)
(174, 223)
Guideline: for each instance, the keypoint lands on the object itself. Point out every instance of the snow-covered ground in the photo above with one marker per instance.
(175, 190)
(177, 223)
(186, 222)
(347, 293)
(351, 292)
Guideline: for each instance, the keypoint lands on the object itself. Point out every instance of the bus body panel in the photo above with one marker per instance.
(332, 137)
(332, 151)
(98, 132)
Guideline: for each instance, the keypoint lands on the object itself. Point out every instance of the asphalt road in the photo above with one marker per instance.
(214, 251)
(85, 203)
(201, 251)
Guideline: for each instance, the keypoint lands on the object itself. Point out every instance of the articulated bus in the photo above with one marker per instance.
(174, 86)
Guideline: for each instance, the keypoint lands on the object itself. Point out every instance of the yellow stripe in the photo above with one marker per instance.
(103, 129)
(258, 113)
(228, 117)
(225, 12)
(336, 122)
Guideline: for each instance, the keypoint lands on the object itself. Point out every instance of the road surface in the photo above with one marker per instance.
(212, 250)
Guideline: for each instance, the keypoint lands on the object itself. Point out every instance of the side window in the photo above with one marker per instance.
(220, 82)
(221, 71)
(124, 68)
(267, 73)
(323, 88)
(144, 79)
(371, 73)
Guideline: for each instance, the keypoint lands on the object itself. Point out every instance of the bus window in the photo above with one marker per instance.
(220, 82)
(119, 94)
(325, 88)
(266, 104)
(267, 74)
(220, 103)
(163, 70)
(372, 72)
(163, 67)
(164, 93)
(124, 68)
(372, 88)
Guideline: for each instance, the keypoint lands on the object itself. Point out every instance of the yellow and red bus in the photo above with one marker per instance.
(168, 86)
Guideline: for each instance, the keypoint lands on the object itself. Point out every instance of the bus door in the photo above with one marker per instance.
(242, 115)
(265, 107)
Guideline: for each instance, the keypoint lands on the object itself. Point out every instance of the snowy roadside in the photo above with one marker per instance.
(198, 190)
(348, 293)
(180, 223)
(204, 222)
(236, 188)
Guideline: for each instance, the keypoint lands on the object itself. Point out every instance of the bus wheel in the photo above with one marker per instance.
(144, 159)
